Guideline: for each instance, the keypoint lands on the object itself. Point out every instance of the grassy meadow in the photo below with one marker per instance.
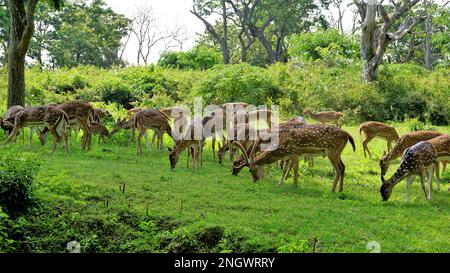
(110, 200)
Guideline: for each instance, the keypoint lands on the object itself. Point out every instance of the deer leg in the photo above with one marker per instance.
(161, 138)
(409, 181)
(335, 161)
(188, 154)
(153, 140)
(214, 148)
(138, 143)
(444, 165)
(286, 166)
(12, 135)
(422, 183)
(430, 181)
(56, 137)
(341, 178)
(438, 182)
(31, 138)
(295, 166)
(365, 143)
(389, 145)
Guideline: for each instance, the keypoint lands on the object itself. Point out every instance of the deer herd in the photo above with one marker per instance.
(420, 152)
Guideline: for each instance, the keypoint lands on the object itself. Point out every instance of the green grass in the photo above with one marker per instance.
(267, 216)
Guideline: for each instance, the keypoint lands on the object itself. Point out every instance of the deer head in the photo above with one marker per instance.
(384, 163)
(174, 155)
(120, 124)
(257, 170)
(385, 189)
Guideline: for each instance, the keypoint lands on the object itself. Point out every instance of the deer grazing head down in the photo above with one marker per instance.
(416, 161)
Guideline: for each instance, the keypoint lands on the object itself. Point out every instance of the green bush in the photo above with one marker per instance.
(199, 58)
(17, 172)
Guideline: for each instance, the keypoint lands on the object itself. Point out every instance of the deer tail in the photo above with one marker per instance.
(352, 142)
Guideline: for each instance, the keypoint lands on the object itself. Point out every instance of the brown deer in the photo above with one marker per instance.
(325, 117)
(242, 134)
(54, 118)
(373, 129)
(417, 160)
(7, 123)
(151, 119)
(442, 146)
(402, 144)
(299, 140)
(100, 130)
(257, 115)
(188, 141)
(80, 113)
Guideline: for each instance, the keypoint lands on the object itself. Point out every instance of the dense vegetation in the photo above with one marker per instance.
(403, 90)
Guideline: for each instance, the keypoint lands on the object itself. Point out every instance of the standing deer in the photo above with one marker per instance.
(373, 129)
(417, 160)
(80, 113)
(299, 140)
(54, 118)
(151, 119)
(325, 117)
(442, 146)
(402, 144)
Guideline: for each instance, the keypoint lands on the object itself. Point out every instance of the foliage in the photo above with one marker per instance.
(17, 172)
(199, 58)
(311, 45)
(294, 247)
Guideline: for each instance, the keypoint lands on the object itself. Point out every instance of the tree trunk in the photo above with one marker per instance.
(368, 46)
(16, 55)
(224, 42)
(428, 56)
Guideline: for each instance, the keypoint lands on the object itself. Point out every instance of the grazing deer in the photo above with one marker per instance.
(55, 119)
(325, 117)
(442, 146)
(373, 129)
(188, 141)
(242, 134)
(402, 144)
(417, 160)
(100, 114)
(7, 123)
(151, 119)
(100, 130)
(299, 140)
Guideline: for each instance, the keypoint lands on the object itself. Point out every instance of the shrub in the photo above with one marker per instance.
(199, 58)
(17, 172)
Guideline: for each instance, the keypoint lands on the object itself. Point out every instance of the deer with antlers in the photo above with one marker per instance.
(54, 118)
(373, 129)
(442, 146)
(298, 140)
(241, 133)
(150, 119)
(417, 160)
(402, 144)
(325, 117)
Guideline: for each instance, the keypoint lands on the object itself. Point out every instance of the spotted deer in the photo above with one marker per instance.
(257, 115)
(100, 130)
(151, 119)
(189, 141)
(54, 118)
(402, 144)
(326, 117)
(299, 140)
(241, 133)
(80, 113)
(442, 146)
(373, 129)
(7, 123)
(417, 160)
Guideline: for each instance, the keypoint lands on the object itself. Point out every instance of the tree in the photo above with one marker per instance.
(146, 32)
(376, 36)
(4, 22)
(87, 34)
(205, 8)
(21, 27)
(271, 21)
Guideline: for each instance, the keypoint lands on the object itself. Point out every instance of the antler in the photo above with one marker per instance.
(239, 145)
